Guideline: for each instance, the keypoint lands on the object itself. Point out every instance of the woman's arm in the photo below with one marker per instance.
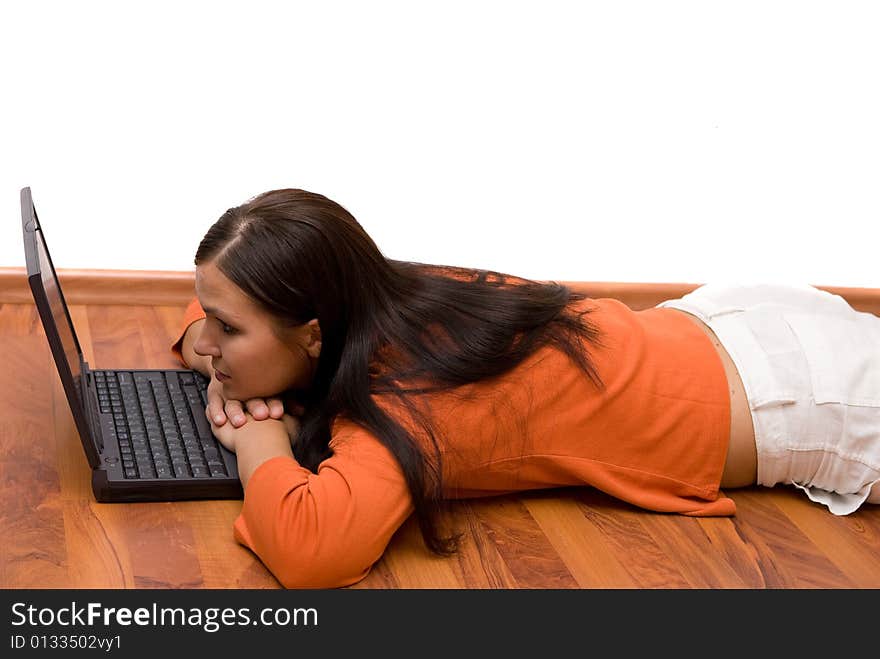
(190, 327)
(200, 363)
(324, 529)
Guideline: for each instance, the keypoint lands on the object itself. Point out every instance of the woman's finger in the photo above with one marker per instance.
(224, 435)
(258, 408)
(235, 412)
(215, 408)
(276, 408)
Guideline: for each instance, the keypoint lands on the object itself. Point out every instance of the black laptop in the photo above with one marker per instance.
(144, 432)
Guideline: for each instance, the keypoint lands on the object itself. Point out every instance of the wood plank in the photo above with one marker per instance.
(786, 556)
(687, 540)
(20, 320)
(852, 545)
(170, 319)
(31, 517)
(620, 524)
(96, 547)
(160, 545)
(155, 337)
(380, 577)
(521, 544)
(580, 543)
(223, 562)
(116, 337)
(735, 551)
(479, 563)
(412, 565)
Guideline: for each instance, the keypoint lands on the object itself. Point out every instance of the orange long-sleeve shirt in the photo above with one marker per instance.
(656, 436)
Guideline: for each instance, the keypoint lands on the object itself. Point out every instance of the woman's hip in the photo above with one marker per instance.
(810, 365)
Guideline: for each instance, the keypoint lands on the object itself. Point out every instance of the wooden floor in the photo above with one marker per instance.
(56, 536)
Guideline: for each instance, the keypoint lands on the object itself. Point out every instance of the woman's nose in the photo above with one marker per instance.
(205, 347)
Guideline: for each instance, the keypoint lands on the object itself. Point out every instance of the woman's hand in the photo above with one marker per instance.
(231, 436)
(255, 442)
(219, 410)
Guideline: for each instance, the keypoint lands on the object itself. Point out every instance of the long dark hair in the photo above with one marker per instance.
(300, 255)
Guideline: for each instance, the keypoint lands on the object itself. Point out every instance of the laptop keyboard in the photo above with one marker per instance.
(161, 432)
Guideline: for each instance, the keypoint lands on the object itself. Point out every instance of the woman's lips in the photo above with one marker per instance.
(221, 376)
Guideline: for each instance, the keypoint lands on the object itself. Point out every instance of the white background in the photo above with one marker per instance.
(601, 141)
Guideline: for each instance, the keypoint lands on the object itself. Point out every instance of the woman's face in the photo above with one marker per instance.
(252, 355)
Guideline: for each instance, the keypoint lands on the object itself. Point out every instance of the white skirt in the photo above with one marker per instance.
(810, 365)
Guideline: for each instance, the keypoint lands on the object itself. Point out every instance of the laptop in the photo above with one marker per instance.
(144, 432)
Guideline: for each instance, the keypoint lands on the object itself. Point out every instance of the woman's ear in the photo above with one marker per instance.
(314, 338)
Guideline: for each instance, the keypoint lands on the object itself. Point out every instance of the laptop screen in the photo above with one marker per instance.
(55, 317)
(59, 308)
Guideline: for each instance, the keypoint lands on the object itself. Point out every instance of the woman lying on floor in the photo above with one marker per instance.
(356, 390)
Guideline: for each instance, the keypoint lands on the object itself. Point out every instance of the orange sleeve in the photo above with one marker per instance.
(193, 313)
(325, 530)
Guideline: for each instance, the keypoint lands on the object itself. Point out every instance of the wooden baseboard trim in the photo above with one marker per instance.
(133, 287)
(640, 295)
(177, 288)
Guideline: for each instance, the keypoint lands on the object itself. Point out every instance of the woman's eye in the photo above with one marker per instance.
(226, 329)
